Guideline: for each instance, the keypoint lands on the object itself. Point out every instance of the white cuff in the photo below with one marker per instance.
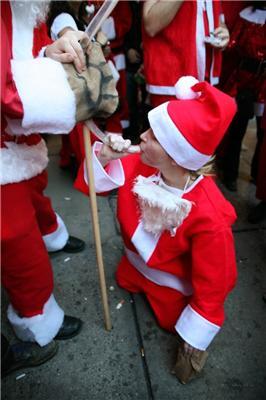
(105, 181)
(195, 329)
(41, 328)
(108, 28)
(56, 240)
(61, 22)
(48, 102)
(41, 52)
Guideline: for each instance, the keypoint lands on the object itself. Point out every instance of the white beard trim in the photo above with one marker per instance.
(33, 12)
(160, 209)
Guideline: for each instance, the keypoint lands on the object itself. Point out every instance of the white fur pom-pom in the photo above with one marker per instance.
(90, 9)
(183, 88)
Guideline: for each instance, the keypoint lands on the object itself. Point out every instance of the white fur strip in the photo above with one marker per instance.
(41, 328)
(48, 101)
(19, 162)
(160, 209)
(56, 240)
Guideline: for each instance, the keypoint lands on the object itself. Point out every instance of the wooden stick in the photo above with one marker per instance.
(95, 224)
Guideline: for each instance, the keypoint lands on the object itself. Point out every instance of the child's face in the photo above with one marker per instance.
(152, 153)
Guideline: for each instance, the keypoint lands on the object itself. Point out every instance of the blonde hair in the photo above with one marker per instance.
(207, 169)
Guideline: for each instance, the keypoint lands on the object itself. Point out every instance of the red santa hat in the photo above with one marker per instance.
(190, 129)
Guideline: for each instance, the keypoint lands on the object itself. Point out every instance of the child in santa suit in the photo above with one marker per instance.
(175, 223)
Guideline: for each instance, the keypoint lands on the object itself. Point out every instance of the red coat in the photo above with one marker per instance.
(179, 49)
(198, 262)
(29, 104)
(248, 39)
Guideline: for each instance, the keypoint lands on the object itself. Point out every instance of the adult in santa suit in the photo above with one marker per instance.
(35, 97)
(176, 224)
(174, 44)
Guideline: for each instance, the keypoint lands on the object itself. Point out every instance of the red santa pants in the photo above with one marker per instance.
(167, 303)
(26, 269)
(158, 99)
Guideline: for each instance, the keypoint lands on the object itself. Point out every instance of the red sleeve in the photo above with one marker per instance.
(10, 101)
(123, 20)
(213, 273)
(41, 39)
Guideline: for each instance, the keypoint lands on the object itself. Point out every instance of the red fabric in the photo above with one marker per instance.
(248, 39)
(172, 52)
(26, 269)
(202, 251)
(166, 303)
(123, 20)
(230, 59)
(40, 39)
(11, 105)
(157, 99)
(203, 122)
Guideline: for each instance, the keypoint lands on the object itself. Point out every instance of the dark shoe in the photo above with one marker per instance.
(70, 328)
(25, 355)
(73, 245)
(230, 185)
(258, 213)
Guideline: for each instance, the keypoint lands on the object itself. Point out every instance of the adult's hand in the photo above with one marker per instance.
(222, 34)
(67, 49)
(113, 148)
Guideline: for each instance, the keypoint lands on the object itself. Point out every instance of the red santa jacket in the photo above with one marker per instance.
(199, 261)
(35, 95)
(248, 40)
(115, 28)
(179, 49)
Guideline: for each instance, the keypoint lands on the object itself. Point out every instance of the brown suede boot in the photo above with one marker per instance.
(189, 366)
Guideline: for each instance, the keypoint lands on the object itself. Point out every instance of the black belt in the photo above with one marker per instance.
(253, 65)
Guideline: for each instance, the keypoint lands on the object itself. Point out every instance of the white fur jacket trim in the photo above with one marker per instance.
(19, 162)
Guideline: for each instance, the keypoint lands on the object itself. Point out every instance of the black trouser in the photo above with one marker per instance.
(233, 140)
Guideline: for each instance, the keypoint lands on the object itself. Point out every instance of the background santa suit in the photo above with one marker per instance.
(116, 27)
(30, 103)
(247, 82)
(179, 50)
(185, 282)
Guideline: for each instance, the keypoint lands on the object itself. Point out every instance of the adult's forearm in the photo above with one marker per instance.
(157, 14)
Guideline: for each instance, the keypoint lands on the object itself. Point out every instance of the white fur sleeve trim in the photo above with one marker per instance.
(111, 179)
(41, 328)
(61, 22)
(108, 27)
(195, 329)
(20, 162)
(56, 240)
(48, 101)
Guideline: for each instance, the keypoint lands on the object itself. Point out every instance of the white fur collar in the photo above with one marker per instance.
(256, 16)
(160, 208)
